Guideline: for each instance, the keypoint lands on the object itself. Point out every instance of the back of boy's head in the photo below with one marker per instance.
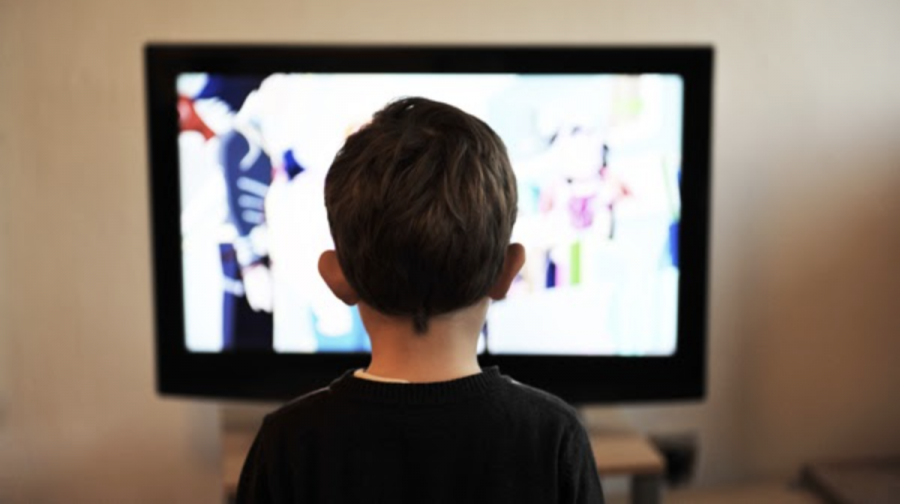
(421, 204)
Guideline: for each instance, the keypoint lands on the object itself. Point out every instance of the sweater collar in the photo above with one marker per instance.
(483, 383)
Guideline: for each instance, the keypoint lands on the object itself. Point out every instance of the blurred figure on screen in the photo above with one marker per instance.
(576, 195)
(295, 128)
(212, 107)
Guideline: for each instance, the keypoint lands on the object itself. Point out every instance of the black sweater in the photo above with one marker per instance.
(482, 438)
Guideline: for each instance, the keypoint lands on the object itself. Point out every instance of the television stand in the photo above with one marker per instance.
(621, 451)
(630, 454)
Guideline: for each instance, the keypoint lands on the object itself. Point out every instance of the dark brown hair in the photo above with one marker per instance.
(421, 204)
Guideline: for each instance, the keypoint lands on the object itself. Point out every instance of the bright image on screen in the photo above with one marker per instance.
(597, 159)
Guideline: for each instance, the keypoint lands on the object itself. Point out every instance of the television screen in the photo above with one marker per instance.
(599, 156)
(596, 157)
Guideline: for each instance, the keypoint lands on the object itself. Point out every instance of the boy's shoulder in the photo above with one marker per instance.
(544, 401)
(302, 411)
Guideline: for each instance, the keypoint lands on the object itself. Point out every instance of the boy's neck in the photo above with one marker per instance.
(446, 352)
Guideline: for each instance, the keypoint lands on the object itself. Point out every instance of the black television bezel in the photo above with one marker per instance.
(271, 376)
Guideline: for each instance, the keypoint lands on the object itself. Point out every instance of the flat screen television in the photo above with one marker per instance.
(611, 149)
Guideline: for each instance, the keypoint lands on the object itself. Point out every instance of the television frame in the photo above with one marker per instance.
(578, 379)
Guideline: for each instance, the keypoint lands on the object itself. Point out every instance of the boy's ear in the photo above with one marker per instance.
(331, 272)
(512, 263)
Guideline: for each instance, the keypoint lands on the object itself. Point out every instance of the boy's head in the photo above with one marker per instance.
(421, 204)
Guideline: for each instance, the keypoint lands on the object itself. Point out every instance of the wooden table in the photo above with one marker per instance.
(631, 454)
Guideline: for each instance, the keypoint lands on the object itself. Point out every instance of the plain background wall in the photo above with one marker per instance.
(6, 161)
(5, 158)
(804, 318)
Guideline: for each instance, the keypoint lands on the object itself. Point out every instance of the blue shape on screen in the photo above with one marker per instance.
(231, 89)
(235, 147)
(291, 165)
(674, 230)
(355, 340)
(675, 233)
(551, 273)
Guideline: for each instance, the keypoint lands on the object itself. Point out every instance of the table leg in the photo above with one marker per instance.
(646, 489)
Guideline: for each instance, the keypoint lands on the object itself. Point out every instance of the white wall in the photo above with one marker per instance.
(804, 323)
(5, 436)
(84, 424)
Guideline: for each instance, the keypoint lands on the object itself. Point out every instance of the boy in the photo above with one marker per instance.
(421, 204)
